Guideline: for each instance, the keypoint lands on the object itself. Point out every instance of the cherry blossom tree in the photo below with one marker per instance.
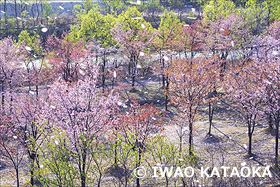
(270, 90)
(267, 60)
(65, 56)
(23, 110)
(104, 53)
(133, 34)
(84, 113)
(10, 67)
(212, 98)
(243, 88)
(34, 60)
(190, 82)
(27, 116)
(11, 148)
(137, 125)
(190, 39)
(133, 43)
(228, 37)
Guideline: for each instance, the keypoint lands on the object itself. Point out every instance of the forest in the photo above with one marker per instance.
(140, 93)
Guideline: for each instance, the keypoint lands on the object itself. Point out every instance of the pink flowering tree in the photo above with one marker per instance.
(10, 147)
(132, 42)
(267, 60)
(228, 37)
(65, 56)
(31, 129)
(243, 87)
(84, 113)
(190, 39)
(10, 67)
(190, 82)
(34, 61)
(137, 124)
(21, 111)
(270, 90)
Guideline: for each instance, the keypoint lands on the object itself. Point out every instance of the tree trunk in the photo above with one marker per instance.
(133, 78)
(103, 72)
(276, 140)
(180, 143)
(83, 168)
(32, 168)
(190, 138)
(139, 160)
(129, 66)
(96, 57)
(162, 69)
(115, 154)
(251, 127)
(268, 16)
(17, 176)
(11, 96)
(250, 142)
(83, 177)
(134, 64)
(210, 115)
(166, 180)
(37, 90)
(166, 94)
(3, 96)
(270, 122)
(99, 180)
